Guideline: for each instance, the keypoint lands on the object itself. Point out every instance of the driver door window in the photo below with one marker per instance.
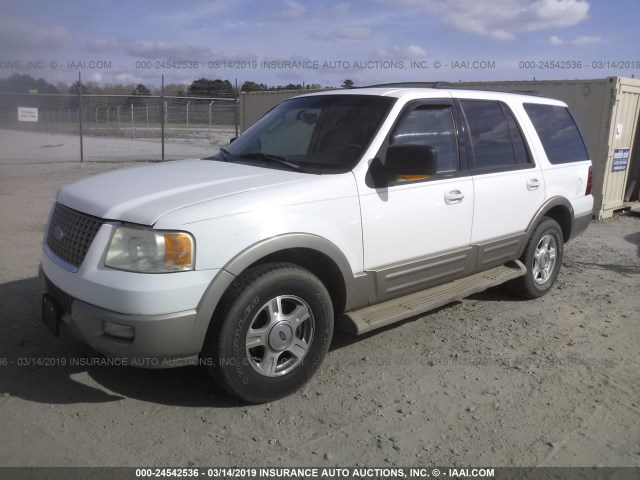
(432, 126)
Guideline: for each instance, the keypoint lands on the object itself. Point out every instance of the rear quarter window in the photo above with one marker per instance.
(558, 133)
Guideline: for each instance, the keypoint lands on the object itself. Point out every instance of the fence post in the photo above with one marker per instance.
(118, 115)
(97, 108)
(162, 119)
(133, 125)
(188, 118)
(80, 115)
(237, 105)
(210, 134)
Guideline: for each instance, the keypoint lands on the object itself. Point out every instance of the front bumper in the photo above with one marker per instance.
(159, 341)
(86, 302)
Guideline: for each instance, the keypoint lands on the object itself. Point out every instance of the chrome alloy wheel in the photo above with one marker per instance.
(544, 259)
(279, 336)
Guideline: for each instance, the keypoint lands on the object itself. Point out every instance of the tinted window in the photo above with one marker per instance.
(558, 133)
(430, 126)
(490, 136)
(519, 147)
(319, 133)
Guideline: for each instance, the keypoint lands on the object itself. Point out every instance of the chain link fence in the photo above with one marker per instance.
(119, 127)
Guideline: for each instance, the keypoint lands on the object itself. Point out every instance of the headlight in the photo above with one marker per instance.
(150, 251)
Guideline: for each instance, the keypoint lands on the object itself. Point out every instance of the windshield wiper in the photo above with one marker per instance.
(225, 154)
(272, 159)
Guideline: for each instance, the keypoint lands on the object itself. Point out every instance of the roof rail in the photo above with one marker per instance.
(411, 85)
(451, 86)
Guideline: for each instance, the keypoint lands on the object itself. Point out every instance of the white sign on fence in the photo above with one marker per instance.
(27, 114)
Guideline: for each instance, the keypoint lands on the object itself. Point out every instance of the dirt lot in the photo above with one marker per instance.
(488, 381)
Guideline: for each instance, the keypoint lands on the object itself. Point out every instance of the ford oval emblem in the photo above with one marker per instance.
(57, 232)
(282, 336)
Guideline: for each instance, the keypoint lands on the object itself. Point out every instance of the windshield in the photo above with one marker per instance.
(317, 134)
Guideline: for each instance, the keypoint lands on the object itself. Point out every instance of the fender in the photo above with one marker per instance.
(356, 293)
(542, 211)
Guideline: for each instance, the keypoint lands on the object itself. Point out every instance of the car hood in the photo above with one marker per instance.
(144, 194)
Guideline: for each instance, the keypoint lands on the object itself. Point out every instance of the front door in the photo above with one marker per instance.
(416, 231)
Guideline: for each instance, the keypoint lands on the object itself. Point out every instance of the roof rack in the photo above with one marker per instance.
(450, 85)
(411, 85)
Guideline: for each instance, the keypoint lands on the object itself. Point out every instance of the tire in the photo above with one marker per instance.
(543, 257)
(274, 329)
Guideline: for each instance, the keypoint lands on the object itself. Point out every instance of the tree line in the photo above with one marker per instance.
(202, 87)
(125, 95)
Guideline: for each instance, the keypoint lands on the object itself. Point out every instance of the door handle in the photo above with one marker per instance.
(453, 196)
(533, 184)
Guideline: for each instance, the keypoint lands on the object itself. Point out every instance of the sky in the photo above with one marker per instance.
(324, 42)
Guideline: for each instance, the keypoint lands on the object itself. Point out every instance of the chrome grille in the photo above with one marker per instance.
(70, 234)
(62, 299)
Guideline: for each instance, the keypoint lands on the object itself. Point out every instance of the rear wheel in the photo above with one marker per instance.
(273, 331)
(542, 256)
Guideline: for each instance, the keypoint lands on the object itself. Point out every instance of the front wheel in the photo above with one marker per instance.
(273, 331)
(542, 256)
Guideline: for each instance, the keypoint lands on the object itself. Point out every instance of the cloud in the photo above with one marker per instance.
(149, 49)
(169, 50)
(95, 77)
(580, 41)
(127, 78)
(412, 51)
(293, 10)
(556, 40)
(19, 36)
(352, 33)
(162, 50)
(586, 40)
(203, 12)
(505, 19)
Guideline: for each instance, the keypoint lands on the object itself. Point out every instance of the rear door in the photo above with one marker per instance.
(567, 172)
(509, 186)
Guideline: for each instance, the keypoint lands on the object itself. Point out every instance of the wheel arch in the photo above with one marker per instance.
(560, 210)
(316, 254)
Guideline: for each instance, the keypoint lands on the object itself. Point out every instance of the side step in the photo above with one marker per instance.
(376, 316)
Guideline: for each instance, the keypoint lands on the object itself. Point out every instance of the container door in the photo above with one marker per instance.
(621, 140)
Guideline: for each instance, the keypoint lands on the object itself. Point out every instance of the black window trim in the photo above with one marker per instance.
(475, 170)
(461, 142)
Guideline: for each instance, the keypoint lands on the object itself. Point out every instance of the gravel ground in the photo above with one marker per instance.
(489, 381)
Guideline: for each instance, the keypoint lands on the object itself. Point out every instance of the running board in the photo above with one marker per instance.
(376, 316)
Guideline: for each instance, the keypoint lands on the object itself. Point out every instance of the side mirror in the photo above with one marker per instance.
(403, 163)
(411, 160)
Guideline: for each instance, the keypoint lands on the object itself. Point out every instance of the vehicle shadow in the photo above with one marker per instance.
(624, 270)
(343, 339)
(634, 238)
(36, 366)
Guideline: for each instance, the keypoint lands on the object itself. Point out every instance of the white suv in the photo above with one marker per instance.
(355, 208)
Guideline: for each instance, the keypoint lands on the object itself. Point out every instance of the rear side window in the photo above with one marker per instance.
(495, 136)
(558, 133)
